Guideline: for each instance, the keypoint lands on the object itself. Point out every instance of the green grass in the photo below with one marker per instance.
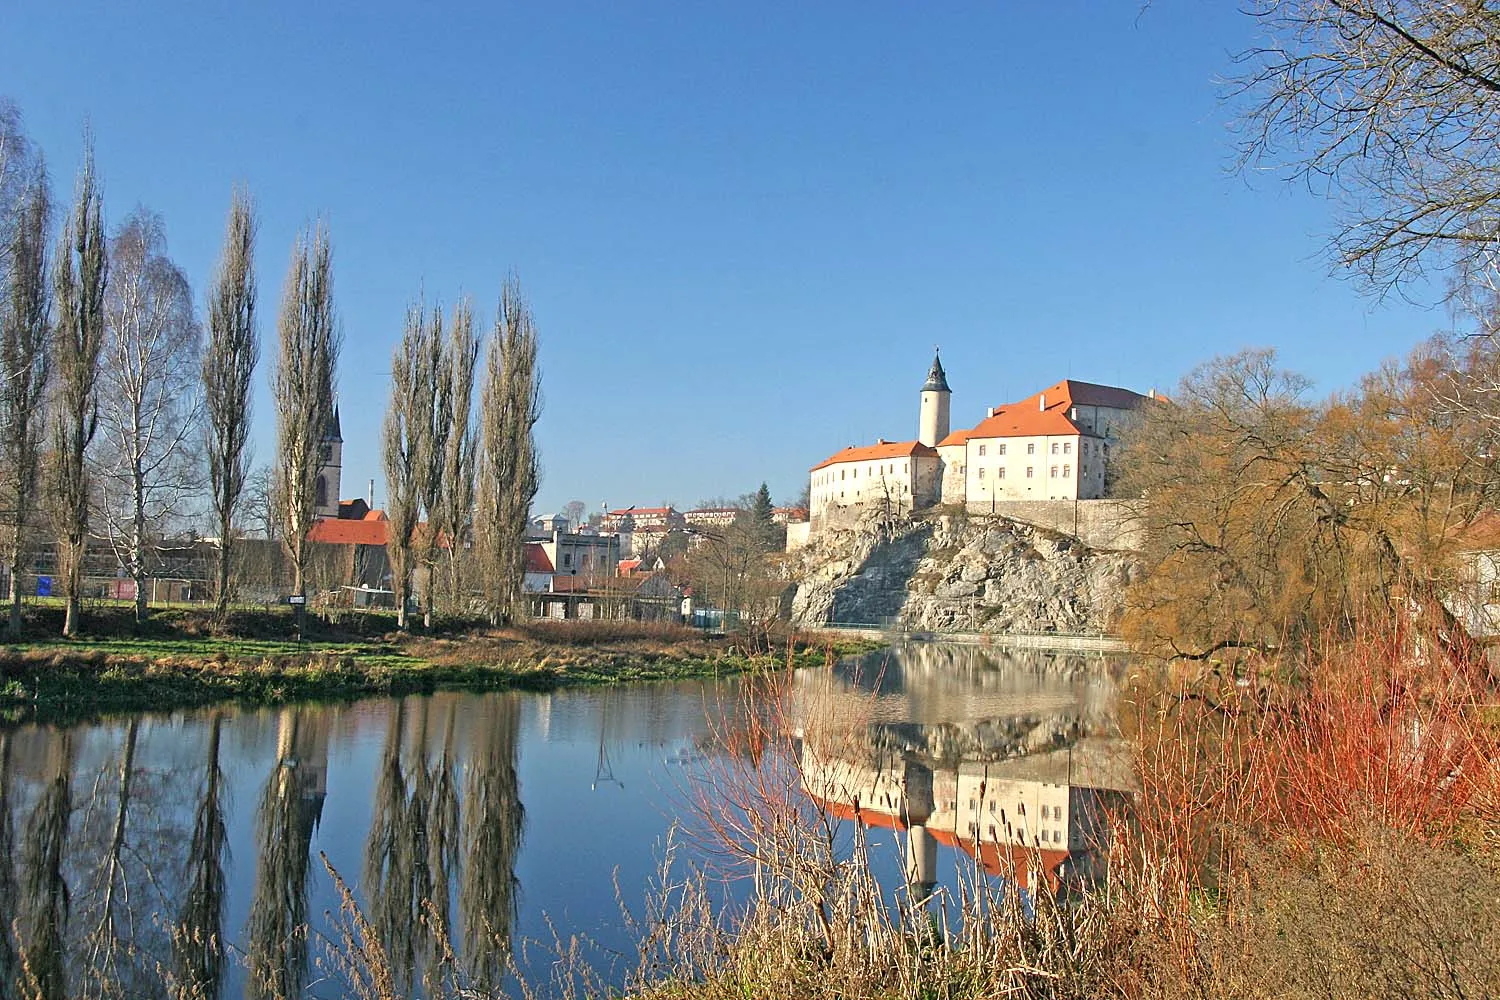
(61, 680)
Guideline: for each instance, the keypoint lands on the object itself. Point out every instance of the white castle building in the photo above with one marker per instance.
(1053, 445)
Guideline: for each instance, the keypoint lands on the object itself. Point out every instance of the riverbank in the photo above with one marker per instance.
(181, 660)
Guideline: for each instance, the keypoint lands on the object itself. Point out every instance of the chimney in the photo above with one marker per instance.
(989, 411)
(1042, 399)
(1073, 413)
(1152, 393)
(372, 494)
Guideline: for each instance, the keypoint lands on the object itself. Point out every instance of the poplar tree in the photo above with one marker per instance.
(408, 449)
(79, 281)
(25, 361)
(509, 473)
(453, 516)
(228, 365)
(302, 388)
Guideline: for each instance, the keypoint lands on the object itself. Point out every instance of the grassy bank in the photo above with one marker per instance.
(182, 659)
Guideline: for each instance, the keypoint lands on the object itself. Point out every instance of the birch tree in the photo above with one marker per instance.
(149, 400)
(453, 517)
(509, 473)
(25, 360)
(409, 450)
(20, 166)
(302, 388)
(228, 366)
(81, 273)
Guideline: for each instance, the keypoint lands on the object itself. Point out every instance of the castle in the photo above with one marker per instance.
(1052, 445)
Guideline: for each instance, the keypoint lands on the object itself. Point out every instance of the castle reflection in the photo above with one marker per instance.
(1007, 756)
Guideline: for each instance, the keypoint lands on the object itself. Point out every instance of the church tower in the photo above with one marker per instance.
(330, 469)
(932, 426)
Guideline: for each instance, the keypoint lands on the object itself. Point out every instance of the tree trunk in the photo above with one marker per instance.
(138, 548)
(221, 595)
(15, 599)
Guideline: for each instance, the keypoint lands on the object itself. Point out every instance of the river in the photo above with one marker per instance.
(133, 844)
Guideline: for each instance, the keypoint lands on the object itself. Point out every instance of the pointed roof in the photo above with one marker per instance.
(879, 450)
(332, 431)
(937, 379)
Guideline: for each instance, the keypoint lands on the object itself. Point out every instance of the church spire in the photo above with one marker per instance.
(937, 379)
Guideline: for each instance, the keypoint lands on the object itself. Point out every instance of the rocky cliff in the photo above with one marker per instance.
(958, 572)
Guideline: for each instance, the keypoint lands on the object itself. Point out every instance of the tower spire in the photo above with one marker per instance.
(937, 379)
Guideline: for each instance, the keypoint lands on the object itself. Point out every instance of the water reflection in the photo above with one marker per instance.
(1008, 757)
(179, 855)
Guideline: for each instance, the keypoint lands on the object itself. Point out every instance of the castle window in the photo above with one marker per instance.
(1031, 448)
(1000, 473)
(981, 451)
(1067, 471)
(981, 475)
(1029, 472)
(1054, 447)
(1054, 472)
(320, 493)
(1000, 449)
(1067, 447)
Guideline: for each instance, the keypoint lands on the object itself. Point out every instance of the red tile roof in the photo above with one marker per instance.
(957, 437)
(1027, 418)
(536, 559)
(334, 531)
(640, 510)
(877, 451)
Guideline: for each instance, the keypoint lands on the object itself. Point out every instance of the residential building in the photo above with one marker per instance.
(642, 517)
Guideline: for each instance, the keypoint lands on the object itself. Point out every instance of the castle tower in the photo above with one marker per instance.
(932, 426)
(330, 468)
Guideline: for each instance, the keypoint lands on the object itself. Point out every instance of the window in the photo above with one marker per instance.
(1046, 811)
(841, 473)
(1054, 472)
(1000, 449)
(1000, 473)
(1029, 472)
(1054, 447)
(981, 451)
(981, 475)
(1067, 447)
(567, 559)
(320, 493)
(1031, 449)
(1067, 471)
(853, 473)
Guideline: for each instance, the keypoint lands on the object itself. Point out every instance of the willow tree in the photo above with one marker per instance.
(410, 451)
(302, 387)
(80, 276)
(509, 472)
(1389, 105)
(25, 362)
(228, 365)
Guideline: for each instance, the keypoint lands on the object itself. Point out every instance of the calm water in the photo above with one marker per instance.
(508, 815)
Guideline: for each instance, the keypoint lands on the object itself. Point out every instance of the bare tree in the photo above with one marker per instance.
(81, 272)
(260, 504)
(410, 454)
(20, 167)
(25, 361)
(302, 388)
(453, 516)
(1392, 106)
(149, 399)
(228, 365)
(509, 473)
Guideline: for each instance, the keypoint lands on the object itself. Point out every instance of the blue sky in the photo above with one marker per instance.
(742, 228)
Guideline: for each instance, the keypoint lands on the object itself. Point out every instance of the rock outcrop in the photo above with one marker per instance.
(957, 572)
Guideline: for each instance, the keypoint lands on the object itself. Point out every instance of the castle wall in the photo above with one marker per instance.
(1100, 524)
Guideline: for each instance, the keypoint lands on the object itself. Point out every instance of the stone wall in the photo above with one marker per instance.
(1099, 524)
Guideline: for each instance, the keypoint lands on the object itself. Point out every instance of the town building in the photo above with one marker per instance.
(642, 517)
(711, 517)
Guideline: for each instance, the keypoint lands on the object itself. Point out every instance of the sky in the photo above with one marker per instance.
(742, 228)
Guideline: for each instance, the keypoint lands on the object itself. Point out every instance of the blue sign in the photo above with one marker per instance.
(44, 586)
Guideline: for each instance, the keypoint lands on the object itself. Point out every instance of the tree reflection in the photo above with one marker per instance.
(10, 964)
(442, 852)
(197, 943)
(290, 809)
(493, 819)
(44, 906)
(395, 853)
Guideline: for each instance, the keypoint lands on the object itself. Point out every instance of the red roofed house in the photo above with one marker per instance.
(1054, 445)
